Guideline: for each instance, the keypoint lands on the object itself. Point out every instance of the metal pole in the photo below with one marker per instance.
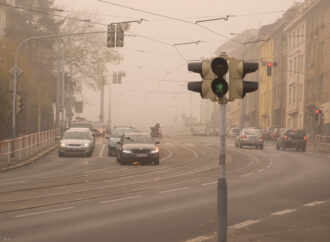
(109, 108)
(62, 91)
(102, 103)
(70, 96)
(58, 93)
(222, 183)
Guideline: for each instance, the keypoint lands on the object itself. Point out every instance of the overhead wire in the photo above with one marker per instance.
(172, 18)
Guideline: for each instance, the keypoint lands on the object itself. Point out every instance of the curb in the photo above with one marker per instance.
(29, 160)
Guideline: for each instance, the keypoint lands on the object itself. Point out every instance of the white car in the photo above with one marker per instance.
(76, 142)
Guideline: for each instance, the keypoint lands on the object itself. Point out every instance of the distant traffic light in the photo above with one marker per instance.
(119, 36)
(316, 114)
(237, 71)
(111, 36)
(213, 86)
(269, 68)
(19, 103)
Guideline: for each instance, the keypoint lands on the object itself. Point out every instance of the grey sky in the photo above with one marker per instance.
(146, 62)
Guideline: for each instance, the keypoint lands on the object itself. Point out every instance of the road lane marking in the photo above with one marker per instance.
(312, 204)
(101, 153)
(87, 172)
(200, 239)
(286, 211)
(261, 170)
(43, 212)
(249, 174)
(189, 144)
(174, 190)
(211, 183)
(244, 224)
(14, 183)
(120, 199)
(268, 166)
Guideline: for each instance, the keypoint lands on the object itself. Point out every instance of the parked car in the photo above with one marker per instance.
(268, 133)
(77, 142)
(292, 138)
(114, 137)
(199, 129)
(138, 147)
(250, 137)
(233, 132)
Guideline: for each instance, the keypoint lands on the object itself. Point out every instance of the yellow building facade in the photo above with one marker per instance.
(265, 84)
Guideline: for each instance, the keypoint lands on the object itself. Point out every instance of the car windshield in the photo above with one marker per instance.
(117, 133)
(252, 132)
(138, 139)
(76, 135)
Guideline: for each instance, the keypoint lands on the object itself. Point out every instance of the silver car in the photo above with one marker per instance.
(250, 137)
(76, 142)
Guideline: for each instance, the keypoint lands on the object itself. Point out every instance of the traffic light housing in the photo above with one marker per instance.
(316, 114)
(111, 36)
(19, 103)
(119, 36)
(213, 86)
(237, 71)
(269, 68)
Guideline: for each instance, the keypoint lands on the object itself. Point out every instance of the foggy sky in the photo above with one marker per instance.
(141, 100)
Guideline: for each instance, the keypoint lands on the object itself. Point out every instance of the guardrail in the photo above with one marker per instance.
(25, 147)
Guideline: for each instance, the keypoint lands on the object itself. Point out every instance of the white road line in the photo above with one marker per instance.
(312, 204)
(168, 144)
(249, 174)
(286, 211)
(268, 166)
(211, 183)
(244, 224)
(174, 190)
(199, 239)
(261, 170)
(101, 153)
(120, 199)
(42, 212)
(189, 144)
(87, 172)
(12, 183)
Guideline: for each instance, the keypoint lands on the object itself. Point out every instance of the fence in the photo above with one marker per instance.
(322, 143)
(25, 147)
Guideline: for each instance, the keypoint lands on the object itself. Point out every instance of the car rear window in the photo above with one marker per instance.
(296, 133)
(252, 132)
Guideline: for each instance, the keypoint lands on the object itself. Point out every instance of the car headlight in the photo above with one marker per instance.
(62, 144)
(155, 150)
(86, 144)
(127, 151)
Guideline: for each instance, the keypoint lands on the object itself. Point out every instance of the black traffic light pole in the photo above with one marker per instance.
(222, 181)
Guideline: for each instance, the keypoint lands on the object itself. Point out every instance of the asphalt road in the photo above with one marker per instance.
(96, 199)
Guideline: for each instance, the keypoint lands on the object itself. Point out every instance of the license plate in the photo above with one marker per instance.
(141, 155)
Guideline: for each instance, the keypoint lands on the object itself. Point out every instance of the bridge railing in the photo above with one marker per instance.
(24, 147)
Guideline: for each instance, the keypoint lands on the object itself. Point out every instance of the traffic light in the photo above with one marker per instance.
(237, 71)
(19, 103)
(269, 68)
(114, 77)
(119, 36)
(213, 86)
(111, 36)
(316, 114)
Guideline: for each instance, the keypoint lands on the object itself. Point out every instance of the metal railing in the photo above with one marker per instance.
(322, 143)
(25, 147)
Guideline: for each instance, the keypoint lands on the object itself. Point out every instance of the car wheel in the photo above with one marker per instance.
(283, 147)
(303, 149)
(109, 153)
(277, 146)
(60, 154)
(261, 147)
(156, 162)
(89, 154)
(240, 145)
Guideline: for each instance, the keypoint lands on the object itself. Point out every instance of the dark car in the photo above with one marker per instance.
(292, 138)
(250, 137)
(114, 137)
(137, 147)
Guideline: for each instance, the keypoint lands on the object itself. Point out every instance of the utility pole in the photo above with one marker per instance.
(109, 106)
(62, 91)
(102, 103)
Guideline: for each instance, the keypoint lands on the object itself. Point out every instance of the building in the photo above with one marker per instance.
(266, 80)
(295, 71)
(316, 15)
(2, 21)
